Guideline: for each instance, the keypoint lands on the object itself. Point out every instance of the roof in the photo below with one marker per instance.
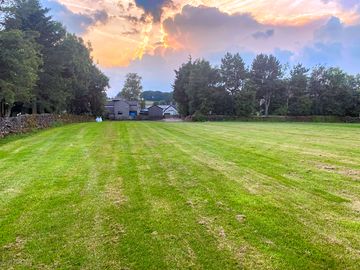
(170, 106)
(163, 107)
(155, 106)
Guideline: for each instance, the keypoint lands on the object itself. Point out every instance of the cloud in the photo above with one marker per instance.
(154, 7)
(334, 44)
(264, 35)
(130, 32)
(154, 37)
(75, 22)
(157, 70)
(347, 4)
(207, 29)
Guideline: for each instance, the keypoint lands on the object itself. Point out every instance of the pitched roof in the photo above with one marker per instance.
(163, 107)
(154, 106)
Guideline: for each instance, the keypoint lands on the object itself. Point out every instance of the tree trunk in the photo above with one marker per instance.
(287, 105)
(267, 105)
(2, 108)
(7, 111)
(34, 107)
(266, 109)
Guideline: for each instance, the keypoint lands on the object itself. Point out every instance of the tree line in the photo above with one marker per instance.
(158, 97)
(44, 68)
(265, 88)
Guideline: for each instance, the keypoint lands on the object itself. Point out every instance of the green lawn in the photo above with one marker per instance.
(156, 195)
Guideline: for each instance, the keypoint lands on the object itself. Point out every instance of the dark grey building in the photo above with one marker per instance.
(155, 112)
(120, 109)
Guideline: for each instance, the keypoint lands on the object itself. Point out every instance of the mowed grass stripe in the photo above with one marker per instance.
(145, 195)
(341, 209)
(282, 215)
(272, 157)
(172, 233)
(51, 204)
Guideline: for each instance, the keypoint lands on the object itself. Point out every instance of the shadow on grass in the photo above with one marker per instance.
(15, 137)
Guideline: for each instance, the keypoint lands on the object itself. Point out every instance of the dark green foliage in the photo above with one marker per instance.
(182, 79)
(19, 65)
(223, 103)
(333, 92)
(245, 103)
(232, 90)
(198, 88)
(67, 79)
(233, 73)
(265, 75)
(203, 81)
(83, 78)
(299, 102)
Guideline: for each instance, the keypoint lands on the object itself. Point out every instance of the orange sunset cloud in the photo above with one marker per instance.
(129, 33)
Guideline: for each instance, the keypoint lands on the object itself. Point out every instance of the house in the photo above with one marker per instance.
(169, 110)
(155, 112)
(160, 111)
(121, 109)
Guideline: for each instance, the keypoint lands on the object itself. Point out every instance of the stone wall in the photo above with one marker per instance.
(27, 123)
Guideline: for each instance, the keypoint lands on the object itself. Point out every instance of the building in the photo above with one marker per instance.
(121, 109)
(169, 110)
(155, 112)
(161, 111)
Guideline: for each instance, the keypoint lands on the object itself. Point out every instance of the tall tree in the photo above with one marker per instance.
(97, 91)
(317, 89)
(86, 83)
(203, 80)
(132, 88)
(266, 72)
(68, 79)
(338, 96)
(29, 16)
(19, 64)
(180, 86)
(233, 73)
(298, 102)
(354, 109)
(244, 101)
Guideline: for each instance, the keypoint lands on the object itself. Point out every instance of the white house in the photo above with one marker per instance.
(169, 110)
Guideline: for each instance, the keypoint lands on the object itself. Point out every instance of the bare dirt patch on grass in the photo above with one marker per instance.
(352, 173)
(113, 192)
(20, 259)
(243, 252)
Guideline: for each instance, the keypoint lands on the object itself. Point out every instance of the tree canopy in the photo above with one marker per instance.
(266, 88)
(19, 65)
(158, 96)
(132, 88)
(57, 66)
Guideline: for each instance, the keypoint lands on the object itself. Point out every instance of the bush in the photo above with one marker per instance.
(199, 117)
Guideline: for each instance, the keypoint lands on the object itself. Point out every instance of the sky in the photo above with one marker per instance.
(154, 37)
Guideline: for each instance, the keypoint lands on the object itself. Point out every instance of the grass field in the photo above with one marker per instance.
(154, 195)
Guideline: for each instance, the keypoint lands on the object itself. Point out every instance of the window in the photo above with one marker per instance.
(120, 113)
